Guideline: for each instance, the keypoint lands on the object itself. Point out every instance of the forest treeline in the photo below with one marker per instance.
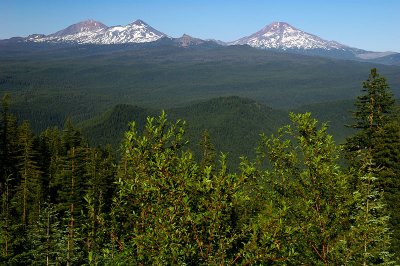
(303, 200)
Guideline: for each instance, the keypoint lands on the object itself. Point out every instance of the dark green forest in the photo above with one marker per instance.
(52, 82)
(153, 197)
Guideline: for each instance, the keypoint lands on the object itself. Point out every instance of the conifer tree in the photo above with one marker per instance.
(5, 221)
(71, 196)
(50, 142)
(71, 187)
(8, 133)
(387, 160)
(70, 137)
(207, 149)
(48, 238)
(374, 109)
(8, 181)
(100, 175)
(27, 199)
(369, 237)
(377, 138)
(29, 191)
(71, 171)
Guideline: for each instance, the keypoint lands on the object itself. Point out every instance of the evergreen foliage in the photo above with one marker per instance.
(375, 106)
(51, 83)
(369, 236)
(378, 138)
(28, 194)
(208, 151)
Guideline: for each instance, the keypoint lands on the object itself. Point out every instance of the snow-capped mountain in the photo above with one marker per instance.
(94, 32)
(281, 35)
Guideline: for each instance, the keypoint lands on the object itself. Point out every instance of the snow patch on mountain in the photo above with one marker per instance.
(374, 55)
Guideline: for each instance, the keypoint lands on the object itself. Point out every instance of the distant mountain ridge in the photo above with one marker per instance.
(279, 36)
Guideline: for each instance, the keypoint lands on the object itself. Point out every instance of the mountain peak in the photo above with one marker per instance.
(187, 40)
(279, 24)
(139, 22)
(90, 21)
(83, 26)
(186, 36)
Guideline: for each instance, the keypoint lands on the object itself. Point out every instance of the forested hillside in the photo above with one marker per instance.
(299, 199)
(52, 82)
(233, 123)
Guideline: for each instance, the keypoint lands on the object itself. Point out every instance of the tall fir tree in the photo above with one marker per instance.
(71, 186)
(369, 237)
(8, 134)
(377, 138)
(374, 109)
(48, 238)
(387, 158)
(5, 222)
(101, 185)
(207, 150)
(50, 150)
(29, 195)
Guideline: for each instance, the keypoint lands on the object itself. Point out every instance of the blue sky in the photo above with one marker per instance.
(366, 24)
